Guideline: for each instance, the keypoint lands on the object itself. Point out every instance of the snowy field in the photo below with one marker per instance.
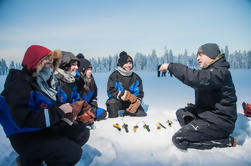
(108, 146)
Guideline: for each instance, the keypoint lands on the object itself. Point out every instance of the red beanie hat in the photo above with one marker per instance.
(33, 55)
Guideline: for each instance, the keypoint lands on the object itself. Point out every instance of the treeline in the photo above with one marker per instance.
(4, 68)
(142, 62)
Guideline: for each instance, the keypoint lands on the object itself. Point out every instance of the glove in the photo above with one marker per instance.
(164, 67)
(86, 107)
(77, 107)
(128, 96)
(87, 117)
(87, 114)
(134, 106)
(72, 116)
(66, 108)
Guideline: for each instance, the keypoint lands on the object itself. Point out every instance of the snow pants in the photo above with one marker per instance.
(114, 105)
(158, 73)
(59, 145)
(198, 133)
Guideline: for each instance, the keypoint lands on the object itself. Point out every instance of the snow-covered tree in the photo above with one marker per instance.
(18, 66)
(12, 65)
(3, 67)
(152, 61)
(226, 52)
(139, 62)
(249, 59)
(170, 55)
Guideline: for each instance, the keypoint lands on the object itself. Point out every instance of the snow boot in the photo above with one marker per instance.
(23, 162)
(234, 142)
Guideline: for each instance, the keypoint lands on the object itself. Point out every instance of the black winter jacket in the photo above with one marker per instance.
(132, 83)
(91, 95)
(66, 88)
(214, 92)
(29, 107)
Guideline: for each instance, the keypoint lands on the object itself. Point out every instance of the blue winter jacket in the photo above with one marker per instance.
(24, 107)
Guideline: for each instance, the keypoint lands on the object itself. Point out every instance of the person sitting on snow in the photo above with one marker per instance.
(33, 120)
(246, 109)
(87, 87)
(66, 87)
(125, 89)
(211, 120)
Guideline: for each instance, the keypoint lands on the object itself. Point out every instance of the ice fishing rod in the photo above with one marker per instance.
(159, 125)
(135, 127)
(169, 123)
(117, 126)
(125, 126)
(145, 126)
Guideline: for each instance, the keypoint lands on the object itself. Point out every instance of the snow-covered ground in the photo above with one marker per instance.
(108, 146)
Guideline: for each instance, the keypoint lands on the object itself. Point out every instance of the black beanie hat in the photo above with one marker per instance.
(212, 50)
(80, 55)
(124, 58)
(84, 63)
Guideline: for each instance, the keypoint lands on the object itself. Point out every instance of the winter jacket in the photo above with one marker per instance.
(215, 96)
(66, 91)
(67, 88)
(26, 107)
(91, 95)
(118, 83)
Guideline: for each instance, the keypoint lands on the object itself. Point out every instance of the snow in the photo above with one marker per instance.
(108, 146)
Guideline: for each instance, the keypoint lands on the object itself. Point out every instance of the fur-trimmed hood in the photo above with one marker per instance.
(37, 56)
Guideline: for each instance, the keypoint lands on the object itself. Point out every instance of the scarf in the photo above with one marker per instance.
(66, 76)
(47, 82)
(123, 72)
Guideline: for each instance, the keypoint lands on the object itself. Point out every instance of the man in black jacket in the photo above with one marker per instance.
(211, 120)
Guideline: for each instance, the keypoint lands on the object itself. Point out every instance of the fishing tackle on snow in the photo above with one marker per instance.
(117, 126)
(145, 126)
(159, 125)
(135, 127)
(169, 123)
(125, 126)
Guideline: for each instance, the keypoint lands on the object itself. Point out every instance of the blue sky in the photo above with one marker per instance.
(100, 28)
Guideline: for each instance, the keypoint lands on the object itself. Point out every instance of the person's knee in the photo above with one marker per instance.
(83, 137)
(68, 154)
(74, 154)
(179, 113)
(111, 101)
(112, 107)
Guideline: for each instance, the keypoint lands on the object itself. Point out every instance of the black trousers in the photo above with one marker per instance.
(114, 105)
(198, 133)
(158, 73)
(59, 145)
